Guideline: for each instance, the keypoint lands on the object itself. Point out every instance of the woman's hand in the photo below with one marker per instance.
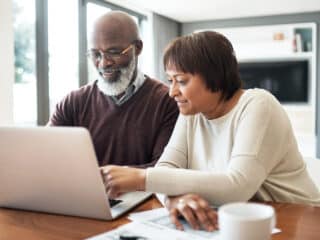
(119, 179)
(194, 209)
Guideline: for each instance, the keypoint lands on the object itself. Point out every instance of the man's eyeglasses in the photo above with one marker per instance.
(97, 55)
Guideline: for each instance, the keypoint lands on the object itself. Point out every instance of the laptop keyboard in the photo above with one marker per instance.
(113, 202)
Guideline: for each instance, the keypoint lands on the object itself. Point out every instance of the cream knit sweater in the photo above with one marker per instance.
(250, 152)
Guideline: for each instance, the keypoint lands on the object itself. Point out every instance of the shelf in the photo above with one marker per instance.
(282, 57)
(273, 42)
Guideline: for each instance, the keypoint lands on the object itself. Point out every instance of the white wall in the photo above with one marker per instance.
(6, 62)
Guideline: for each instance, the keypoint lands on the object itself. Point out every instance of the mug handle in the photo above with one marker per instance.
(273, 221)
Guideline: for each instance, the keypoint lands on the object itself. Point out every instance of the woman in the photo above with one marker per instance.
(228, 144)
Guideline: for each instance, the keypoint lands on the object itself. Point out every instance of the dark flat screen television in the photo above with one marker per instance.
(288, 81)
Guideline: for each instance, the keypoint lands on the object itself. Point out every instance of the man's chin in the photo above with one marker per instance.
(110, 78)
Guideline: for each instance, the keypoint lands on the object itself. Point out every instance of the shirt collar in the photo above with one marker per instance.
(131, 89)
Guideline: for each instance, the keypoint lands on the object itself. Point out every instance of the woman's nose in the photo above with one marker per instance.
(173, 90)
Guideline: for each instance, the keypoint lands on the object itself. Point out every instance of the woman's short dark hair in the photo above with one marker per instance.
(208, 54)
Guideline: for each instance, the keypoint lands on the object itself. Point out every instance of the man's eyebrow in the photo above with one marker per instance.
(114, 48)
(106, 50)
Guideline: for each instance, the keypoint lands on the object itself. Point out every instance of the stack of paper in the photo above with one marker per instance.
(156, 225)
(161, 217)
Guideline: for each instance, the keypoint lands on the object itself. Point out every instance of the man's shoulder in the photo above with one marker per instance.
(156, 94)
(156, 85)
(83, 91)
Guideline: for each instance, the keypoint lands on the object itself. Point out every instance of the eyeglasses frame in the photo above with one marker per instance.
(104, 54)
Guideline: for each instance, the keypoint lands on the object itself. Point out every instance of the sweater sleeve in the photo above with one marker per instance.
(258, 142)
(62, 116)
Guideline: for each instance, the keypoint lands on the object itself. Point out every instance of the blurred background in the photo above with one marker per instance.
(43, 45)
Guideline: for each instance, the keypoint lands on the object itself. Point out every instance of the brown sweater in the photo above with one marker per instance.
(133, 134)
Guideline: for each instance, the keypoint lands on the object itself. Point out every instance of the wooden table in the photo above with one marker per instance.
(297, 222)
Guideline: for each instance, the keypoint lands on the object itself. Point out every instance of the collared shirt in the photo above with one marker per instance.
(131, 90)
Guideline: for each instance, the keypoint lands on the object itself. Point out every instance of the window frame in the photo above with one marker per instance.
(42, 62)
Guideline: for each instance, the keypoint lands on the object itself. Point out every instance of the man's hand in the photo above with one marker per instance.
(119, 179)
(194, 209)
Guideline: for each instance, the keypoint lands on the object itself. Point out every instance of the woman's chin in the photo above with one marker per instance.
(185, 112)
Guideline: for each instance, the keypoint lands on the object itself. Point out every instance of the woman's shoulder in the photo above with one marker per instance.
(264, 104)
(259, 96)
(258, 93)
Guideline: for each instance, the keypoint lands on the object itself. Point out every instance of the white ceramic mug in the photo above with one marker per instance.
(246, 221)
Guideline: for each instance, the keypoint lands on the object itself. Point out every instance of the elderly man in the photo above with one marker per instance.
(129, 115)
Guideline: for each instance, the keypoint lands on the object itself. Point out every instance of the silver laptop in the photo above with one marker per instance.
(54, 170)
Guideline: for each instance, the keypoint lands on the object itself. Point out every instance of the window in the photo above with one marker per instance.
(63, 49)
(24, 90)
(57, 44)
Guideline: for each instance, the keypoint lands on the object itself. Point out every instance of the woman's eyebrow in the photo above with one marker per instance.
(175, 75)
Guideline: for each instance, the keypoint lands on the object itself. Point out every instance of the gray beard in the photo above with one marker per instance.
(121, 84)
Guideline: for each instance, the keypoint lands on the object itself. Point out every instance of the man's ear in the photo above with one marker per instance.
(138, 45)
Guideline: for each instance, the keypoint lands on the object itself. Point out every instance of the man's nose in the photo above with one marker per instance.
(105, 62)
(173, 90)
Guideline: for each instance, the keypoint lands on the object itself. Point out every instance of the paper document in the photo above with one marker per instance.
(160, 216)
(145, 231)
(156, 225)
